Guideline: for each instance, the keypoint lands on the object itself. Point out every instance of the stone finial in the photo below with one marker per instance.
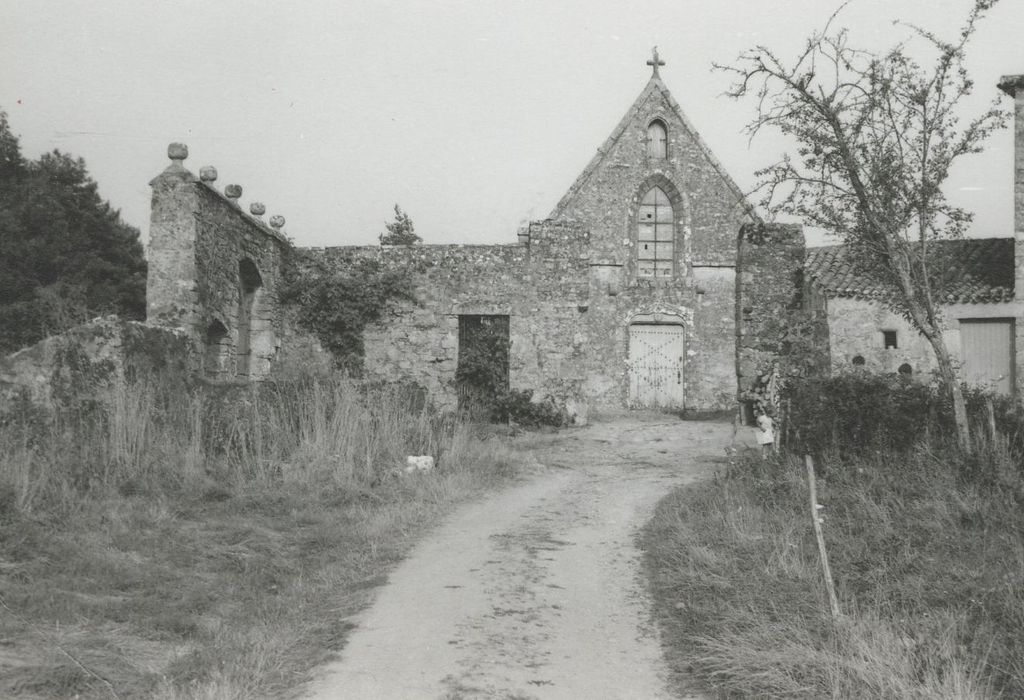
(177, 152)
(257, 209)
(233, 192)
(208, 174)
(277, 221)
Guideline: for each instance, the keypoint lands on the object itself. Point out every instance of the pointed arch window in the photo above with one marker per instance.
(655, 241)
(657, 139)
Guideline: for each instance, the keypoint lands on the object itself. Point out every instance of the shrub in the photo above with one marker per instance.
(856, 413)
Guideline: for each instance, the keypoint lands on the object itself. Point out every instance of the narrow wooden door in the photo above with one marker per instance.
(986, 351)
(656, 365)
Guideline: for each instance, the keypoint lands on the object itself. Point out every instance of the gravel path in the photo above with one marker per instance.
(535, 592)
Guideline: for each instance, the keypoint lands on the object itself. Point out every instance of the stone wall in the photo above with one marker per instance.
(541, 286)
(1013, 85)
(214, 271)
(856, 325)
(776, 318)
(84, 364)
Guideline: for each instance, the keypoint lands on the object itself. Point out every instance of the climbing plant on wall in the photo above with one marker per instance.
(337, 302)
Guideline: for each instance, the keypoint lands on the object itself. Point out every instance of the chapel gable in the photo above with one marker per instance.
(652, 157)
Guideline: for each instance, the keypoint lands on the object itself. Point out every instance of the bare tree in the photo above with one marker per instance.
(877, 134)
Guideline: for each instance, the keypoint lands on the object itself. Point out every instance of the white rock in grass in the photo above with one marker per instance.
(422, 463)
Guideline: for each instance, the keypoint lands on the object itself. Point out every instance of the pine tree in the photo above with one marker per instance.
(400, 231)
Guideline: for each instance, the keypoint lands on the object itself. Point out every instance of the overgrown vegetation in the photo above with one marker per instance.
(482, 379)
(198, 545)
(863, 413)
(877, 135)
(926, 547)
(336, 303)
(65, 254)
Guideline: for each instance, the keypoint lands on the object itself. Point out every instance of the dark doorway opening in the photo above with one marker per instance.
(482, 373)
(249, 282)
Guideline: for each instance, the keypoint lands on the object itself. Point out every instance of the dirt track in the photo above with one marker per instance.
(535, 592)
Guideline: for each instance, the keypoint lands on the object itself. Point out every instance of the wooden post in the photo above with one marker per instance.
(787, 421)
(991, 418)
(829, 585)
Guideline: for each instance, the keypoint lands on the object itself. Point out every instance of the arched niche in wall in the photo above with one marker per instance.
(249, 284)
(657, 140)
(216, 350)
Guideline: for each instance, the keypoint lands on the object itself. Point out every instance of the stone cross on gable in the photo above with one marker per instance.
(655, 62)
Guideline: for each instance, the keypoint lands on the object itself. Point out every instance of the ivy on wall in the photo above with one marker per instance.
(336, 303)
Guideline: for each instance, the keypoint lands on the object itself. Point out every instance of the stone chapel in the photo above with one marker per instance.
(625, 296)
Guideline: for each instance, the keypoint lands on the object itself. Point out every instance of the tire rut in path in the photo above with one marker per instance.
(535, 592)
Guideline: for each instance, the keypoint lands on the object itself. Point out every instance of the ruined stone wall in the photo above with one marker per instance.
(81, 366)
(214, 271)
(227, 242)
(1013, 85)
(775, 319)
(541, 287)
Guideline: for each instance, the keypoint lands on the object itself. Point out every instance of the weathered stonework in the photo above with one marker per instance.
(856, 326)
(1013, 85)
(215, 273)
(84, 364)
(574, 290)
(776, 317)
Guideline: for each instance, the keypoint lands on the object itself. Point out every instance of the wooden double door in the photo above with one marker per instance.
(656, 354)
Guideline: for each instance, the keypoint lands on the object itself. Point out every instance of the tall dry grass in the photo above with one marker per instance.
(927, 550)
(180, 543)
(149, 436)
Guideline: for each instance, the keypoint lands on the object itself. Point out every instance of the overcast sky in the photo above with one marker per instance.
(473, 115)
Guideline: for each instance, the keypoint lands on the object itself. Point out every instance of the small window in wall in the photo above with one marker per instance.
(657, 140)
(889, 340)
(905, 370)
(858, 360)
(655, 241)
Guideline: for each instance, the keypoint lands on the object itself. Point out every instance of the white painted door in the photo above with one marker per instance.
(656, 365)
(986, 351)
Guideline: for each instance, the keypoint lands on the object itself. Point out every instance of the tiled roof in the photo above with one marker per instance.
(981, 271)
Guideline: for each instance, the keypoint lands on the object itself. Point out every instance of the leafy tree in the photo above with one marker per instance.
(877, 135)
(65, 254)
(400, 231)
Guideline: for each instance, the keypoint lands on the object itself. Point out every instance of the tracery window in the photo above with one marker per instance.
(655, 244)
(657, 139)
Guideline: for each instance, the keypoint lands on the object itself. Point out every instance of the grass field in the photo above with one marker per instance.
(927, 551)
(204, 548)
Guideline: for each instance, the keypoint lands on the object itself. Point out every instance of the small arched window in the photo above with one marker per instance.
(655, 240)
(657, 139)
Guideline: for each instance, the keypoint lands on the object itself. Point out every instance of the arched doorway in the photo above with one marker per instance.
(249, 283)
